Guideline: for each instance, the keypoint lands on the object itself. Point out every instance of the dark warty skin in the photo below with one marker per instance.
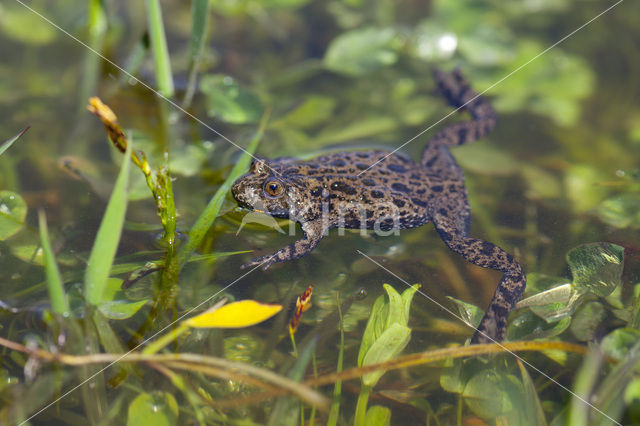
(331, 191)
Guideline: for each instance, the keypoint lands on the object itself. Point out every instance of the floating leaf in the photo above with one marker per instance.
(115, 304)
(363, 50)
(229, 101)
(13, 210)
(596, 267)
(153, 409)
(244, 313)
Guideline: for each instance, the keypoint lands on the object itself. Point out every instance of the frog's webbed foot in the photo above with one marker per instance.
(313, 233)
(483, 253)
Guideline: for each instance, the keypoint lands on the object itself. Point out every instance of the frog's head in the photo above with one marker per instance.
(275, 188)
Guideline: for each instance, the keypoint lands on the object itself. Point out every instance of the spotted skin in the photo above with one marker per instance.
(331, 191)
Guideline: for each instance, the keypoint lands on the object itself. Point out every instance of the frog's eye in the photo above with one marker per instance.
(273, 188)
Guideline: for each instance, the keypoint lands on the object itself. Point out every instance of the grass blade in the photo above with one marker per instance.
(206, 218)
(106, 243)
(199, 26)
(57, 296)
(164, 79)
(5, 145)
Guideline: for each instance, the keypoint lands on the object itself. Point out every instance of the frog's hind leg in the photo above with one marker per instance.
(457, 91)
(452, 225)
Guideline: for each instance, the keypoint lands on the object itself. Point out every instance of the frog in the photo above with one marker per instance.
(382, 190)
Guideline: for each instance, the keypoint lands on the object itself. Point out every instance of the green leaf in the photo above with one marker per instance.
(386, 347)
(586, 320)
(378, 415)
(108, 237)
(396, 307)
(490, 394)
(596, 267)
(471, 314)
(115, 304)
(527, 326)
(618, 343)
(358, 52)
(316, 109)
(26, 27)
(375, 326)
(6, 144)
(153, 409)
(13, 210)
(621, 211)
(57, 296)
(229, 101)
(531, 407)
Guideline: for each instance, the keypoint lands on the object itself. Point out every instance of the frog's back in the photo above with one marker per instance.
(390, 193)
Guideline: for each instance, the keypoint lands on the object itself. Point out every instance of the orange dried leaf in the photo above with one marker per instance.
(244, 313)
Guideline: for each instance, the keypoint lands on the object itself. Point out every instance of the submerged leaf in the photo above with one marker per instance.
(596, 267)
(229, 101)
(244, 313)
(13, 210)
(363, 50)
(153, 409)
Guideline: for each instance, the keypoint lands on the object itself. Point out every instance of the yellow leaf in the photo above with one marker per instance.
(240, 314)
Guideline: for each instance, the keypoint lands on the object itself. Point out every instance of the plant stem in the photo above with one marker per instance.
(361, 407)
(165, 339)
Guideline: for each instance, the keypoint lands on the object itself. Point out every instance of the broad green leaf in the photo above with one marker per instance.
(363, 50)
(153, 409)
(586, 320)
(486, 159)
(108, 237)
(121, 309)
(451, 375)
(396, 307)
(471, 314)
(57, 296)
(229, 101)
(596, 267)
(378, 415)
(6, 144)
(244, 313)
(375, 326)
(618, 343)
(13, 210)
(532, 410)
(490, 393)
(407, 297)
(386, 347)
(316, 109)
(527, 326)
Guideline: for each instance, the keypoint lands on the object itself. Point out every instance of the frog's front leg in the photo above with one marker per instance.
(483, 253)
(312, 231)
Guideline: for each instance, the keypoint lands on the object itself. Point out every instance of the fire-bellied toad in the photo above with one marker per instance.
(383, 191)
